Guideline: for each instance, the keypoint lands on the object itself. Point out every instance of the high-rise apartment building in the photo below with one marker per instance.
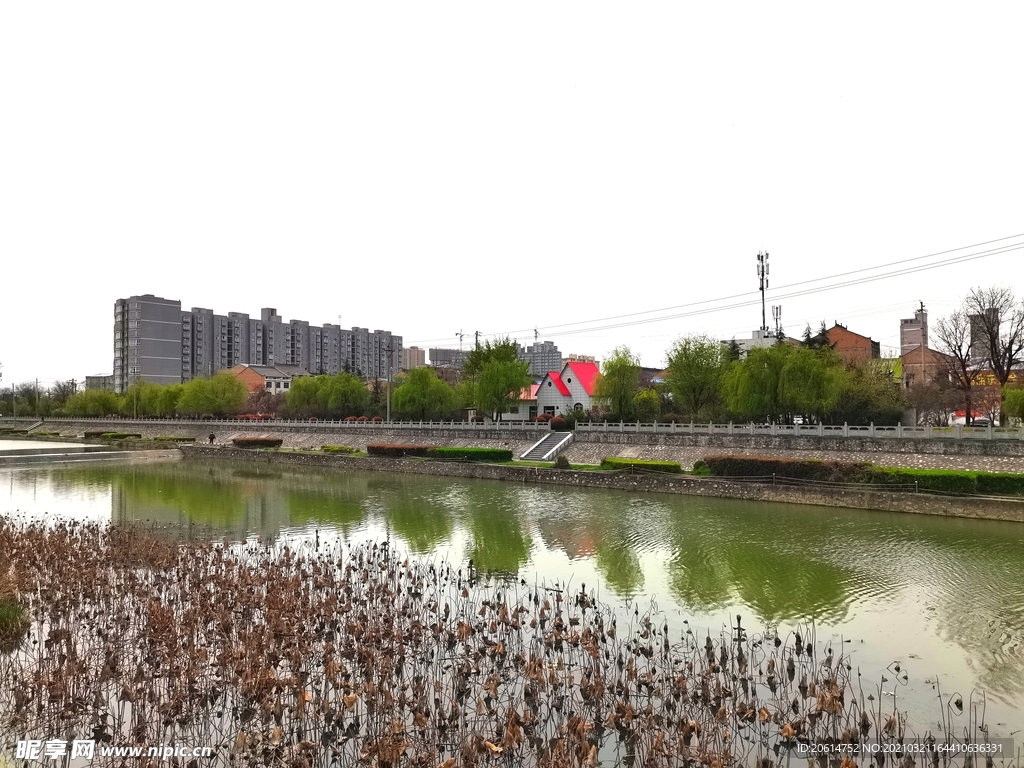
(156, 341)
(543, 356)
(147, 341)
(413, 357)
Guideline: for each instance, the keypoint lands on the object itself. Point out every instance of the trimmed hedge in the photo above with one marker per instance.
(339, 449)
(943, 480)
(95, 433)
(562, 462)
(940, 480)
(396, 451)
(257, 442)
(610, 462)
(471, 454)
(801, 469)
(120, 435)
(172, 439)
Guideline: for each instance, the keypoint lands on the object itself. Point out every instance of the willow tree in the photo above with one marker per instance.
(423, 396)
(694, 375)
(619, 381)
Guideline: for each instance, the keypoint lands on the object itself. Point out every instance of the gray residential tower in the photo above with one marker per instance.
(156, 341)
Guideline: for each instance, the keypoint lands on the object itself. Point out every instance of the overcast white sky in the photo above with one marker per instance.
(431, 167)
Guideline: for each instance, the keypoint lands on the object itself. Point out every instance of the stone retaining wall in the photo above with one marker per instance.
(992, 509)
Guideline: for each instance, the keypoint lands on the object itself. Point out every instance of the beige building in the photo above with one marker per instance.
(413, 357)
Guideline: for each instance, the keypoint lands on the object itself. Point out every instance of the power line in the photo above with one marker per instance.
(806, 292)
(552, 330)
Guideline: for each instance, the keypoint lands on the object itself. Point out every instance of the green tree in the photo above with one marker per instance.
(423, 396)
(1013, 402)
(499, 351)
(167, 402)
(619, 381)
(142, 398)
(93, 402)
(500, 384)
(868, 395)
(303, 396)
(495, 377)
(646, 405)
(343, 395)
(694, 376)
(221, 395)
(778, 382)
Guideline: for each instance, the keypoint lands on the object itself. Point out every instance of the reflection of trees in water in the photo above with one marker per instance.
(620, 566)
(327, 506)
(419, 520)
(499, 543)
(783, 571)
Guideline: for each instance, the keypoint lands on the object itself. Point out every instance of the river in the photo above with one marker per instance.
(942, 598)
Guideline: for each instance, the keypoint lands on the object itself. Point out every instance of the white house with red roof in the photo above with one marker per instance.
(570, 389)
(526, 408)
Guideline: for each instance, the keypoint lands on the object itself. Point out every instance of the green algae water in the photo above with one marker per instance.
(941, 598)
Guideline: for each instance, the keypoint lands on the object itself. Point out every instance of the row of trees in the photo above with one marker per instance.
(705, 381)
(221, 395)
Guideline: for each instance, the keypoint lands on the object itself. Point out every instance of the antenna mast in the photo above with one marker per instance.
(777, 317)
(762, 274)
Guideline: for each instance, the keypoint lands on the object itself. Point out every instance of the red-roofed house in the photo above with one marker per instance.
(570, 389)
(526, 408)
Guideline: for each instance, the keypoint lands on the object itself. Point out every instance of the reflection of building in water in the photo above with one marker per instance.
(574, 539)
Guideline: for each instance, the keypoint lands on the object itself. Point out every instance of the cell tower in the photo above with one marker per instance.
(777, 317)
(762, 274)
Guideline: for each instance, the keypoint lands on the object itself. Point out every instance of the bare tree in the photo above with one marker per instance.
(61, 391)
(998, 318)
(954, 336)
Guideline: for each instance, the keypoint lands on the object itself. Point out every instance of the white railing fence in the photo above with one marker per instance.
(957, 432)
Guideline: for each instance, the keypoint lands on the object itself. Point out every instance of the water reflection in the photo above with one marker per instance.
(952, 586)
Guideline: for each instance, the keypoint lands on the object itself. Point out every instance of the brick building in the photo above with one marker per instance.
(852, 347)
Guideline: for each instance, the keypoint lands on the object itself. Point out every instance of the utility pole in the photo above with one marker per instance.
(37, 397)
(388, 350)
(762, 274)
(476, 334)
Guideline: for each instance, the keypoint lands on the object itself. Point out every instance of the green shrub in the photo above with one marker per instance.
(339, 449)
(562, 462)
(700, 468)
(1000, 484)
(943, 480)
(471, 454)
(120, 436)
(94, 433)
(611, 462)
(257, 442)
(396, 451)
(798, 469)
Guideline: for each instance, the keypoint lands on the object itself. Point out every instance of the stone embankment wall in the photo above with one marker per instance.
(992, 509)
(591, 447)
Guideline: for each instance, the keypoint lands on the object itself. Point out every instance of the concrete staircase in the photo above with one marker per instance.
(548, 447)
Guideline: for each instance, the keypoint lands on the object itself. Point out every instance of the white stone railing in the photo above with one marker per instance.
(957, 432)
